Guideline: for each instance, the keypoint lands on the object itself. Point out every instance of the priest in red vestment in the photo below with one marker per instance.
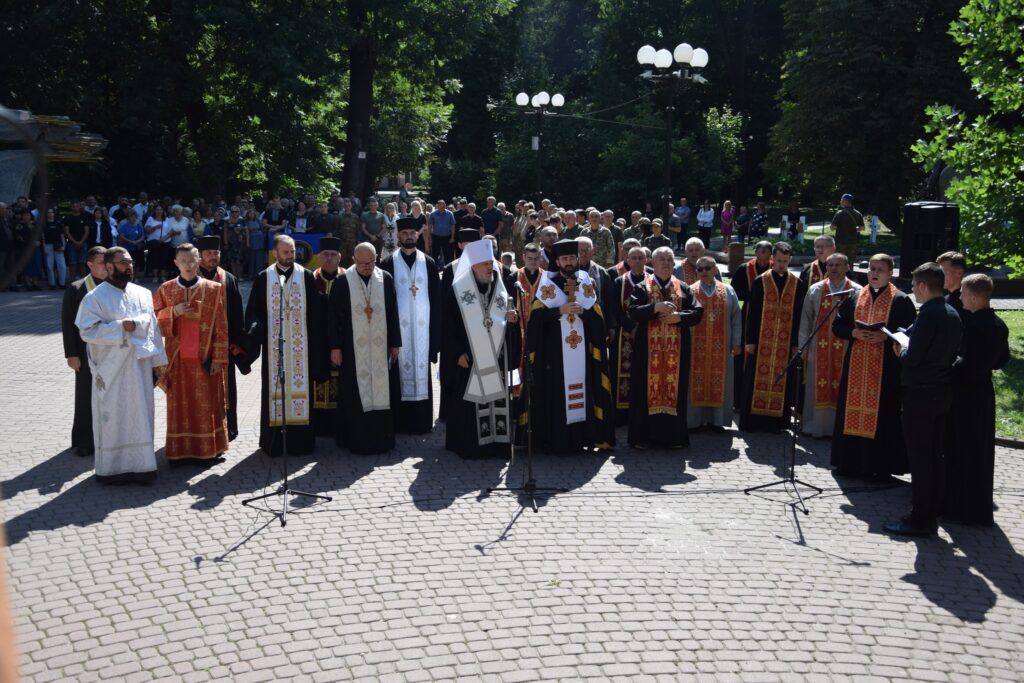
(194, 325)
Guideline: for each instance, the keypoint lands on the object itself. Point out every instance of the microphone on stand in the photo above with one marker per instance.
(845, 291)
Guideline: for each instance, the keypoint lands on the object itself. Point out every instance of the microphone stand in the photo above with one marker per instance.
(529, 489)
(797, 421)
(284, 490)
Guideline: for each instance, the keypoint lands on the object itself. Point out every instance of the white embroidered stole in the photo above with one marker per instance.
(486, 333)
(369, 339)
(574, 348)
(296, 346)
(414, 319)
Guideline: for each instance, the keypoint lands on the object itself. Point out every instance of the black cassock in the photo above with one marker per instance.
(237, 341)
(887, 453)
(619, 322)
(547, 397)
(461, 428)
(970, 451)
(301, 438)
(752, 330)
(741, 284)
(662, 429)
(417, 417)
(81, 429)
(373, 432)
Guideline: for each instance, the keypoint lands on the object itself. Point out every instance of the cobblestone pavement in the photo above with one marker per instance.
(652, 566)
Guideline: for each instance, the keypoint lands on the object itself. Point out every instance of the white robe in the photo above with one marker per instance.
(122, 370)
(817, 421)
(721, 417)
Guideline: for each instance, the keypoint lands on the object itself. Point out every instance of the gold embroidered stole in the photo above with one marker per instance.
(864, 383)
(816, 275)
(689, 272)
(709, 353)
(773, 345)
(828, 354)
(325, 394)
(663, 351)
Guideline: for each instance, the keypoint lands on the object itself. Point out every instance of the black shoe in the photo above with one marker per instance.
(905, 527)
(83, 452)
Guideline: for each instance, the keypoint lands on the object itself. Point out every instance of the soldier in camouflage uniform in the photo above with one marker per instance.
(604, 241)
(347, 231)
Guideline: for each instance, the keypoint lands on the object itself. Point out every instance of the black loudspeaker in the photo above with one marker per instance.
(929, 228)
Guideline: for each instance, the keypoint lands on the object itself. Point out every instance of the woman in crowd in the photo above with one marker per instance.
(216, 228)
(299, 221)
(727, 223)
(132, 236)
(705, 222)
(156, 242)
(389, 231)
(101, 232)
(236, 243)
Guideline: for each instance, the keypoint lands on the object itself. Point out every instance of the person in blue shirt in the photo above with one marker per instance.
(131, 235)
(442, 223)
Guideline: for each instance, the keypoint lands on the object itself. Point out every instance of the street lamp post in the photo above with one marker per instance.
(539, 104)
(658, 69)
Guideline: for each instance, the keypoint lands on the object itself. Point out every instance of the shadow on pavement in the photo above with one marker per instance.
(653, 470)
(49, 476)
(443, 477)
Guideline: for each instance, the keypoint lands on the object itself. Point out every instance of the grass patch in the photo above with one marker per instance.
(1009, 382)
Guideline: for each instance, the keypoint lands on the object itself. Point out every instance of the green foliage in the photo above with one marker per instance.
(986, 149)
(856, 79)
(1009, 382)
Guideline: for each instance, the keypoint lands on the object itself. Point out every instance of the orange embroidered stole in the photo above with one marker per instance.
(663, 352)
(817, 274)
(709, 352)
(624, 357)
(773, 344)
(829, 352)
(751, 273)
(864, 383)
(689, 272)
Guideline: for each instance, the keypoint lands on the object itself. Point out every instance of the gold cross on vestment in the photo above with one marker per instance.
(488, 323)
(414, 289)
(368, 311)
(573, 340)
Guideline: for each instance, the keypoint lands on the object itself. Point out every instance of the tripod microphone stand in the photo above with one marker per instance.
(284, 490)
(529, 489)
(797, 421)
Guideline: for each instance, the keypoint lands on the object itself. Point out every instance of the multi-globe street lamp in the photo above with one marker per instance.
(667, 70)
(538, 105)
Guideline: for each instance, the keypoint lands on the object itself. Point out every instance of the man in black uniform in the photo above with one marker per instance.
(927, 370)
(76, 353)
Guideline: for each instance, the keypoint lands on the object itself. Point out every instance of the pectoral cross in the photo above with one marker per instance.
(368, 311)
(488, 323)
(573, 340)
(414, 289)
(570, 293)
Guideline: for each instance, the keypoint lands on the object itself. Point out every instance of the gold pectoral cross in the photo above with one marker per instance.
(368, 311)
(573, 340)
(414, 289)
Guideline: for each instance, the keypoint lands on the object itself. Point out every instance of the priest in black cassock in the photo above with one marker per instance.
(417, 291)
(365, 340)
(664, 309)
(325, 394)
(570, 403)
(971, 449)
(303, 348)
(76, 353)
(742, 281)
(772, 333)
(867, 440)
(209, 269)
(480, 341)
(623, 329)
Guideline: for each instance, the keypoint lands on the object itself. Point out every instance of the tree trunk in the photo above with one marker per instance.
(362, 67)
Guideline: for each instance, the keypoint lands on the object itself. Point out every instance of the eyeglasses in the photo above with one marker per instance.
(704, 269)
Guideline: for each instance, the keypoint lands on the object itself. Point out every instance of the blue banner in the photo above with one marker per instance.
(307, 246)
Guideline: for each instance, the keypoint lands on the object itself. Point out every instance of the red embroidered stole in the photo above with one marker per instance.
(816, 275)
(773, 345)
(663, 352)
(829, 352)
(689, 272)
(864, 383)
(751, 273)
(709, 353)
(624, 357)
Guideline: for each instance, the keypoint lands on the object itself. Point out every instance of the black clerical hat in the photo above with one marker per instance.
(209, 242)
(469, 235)
(407, 224)
(566, 248)
(330, 244)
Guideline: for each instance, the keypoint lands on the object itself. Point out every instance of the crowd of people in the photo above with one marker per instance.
(151, 229)
(567, 322)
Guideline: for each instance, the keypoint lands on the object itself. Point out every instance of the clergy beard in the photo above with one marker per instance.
(567, 272)
(119, 279)
(410, 245)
